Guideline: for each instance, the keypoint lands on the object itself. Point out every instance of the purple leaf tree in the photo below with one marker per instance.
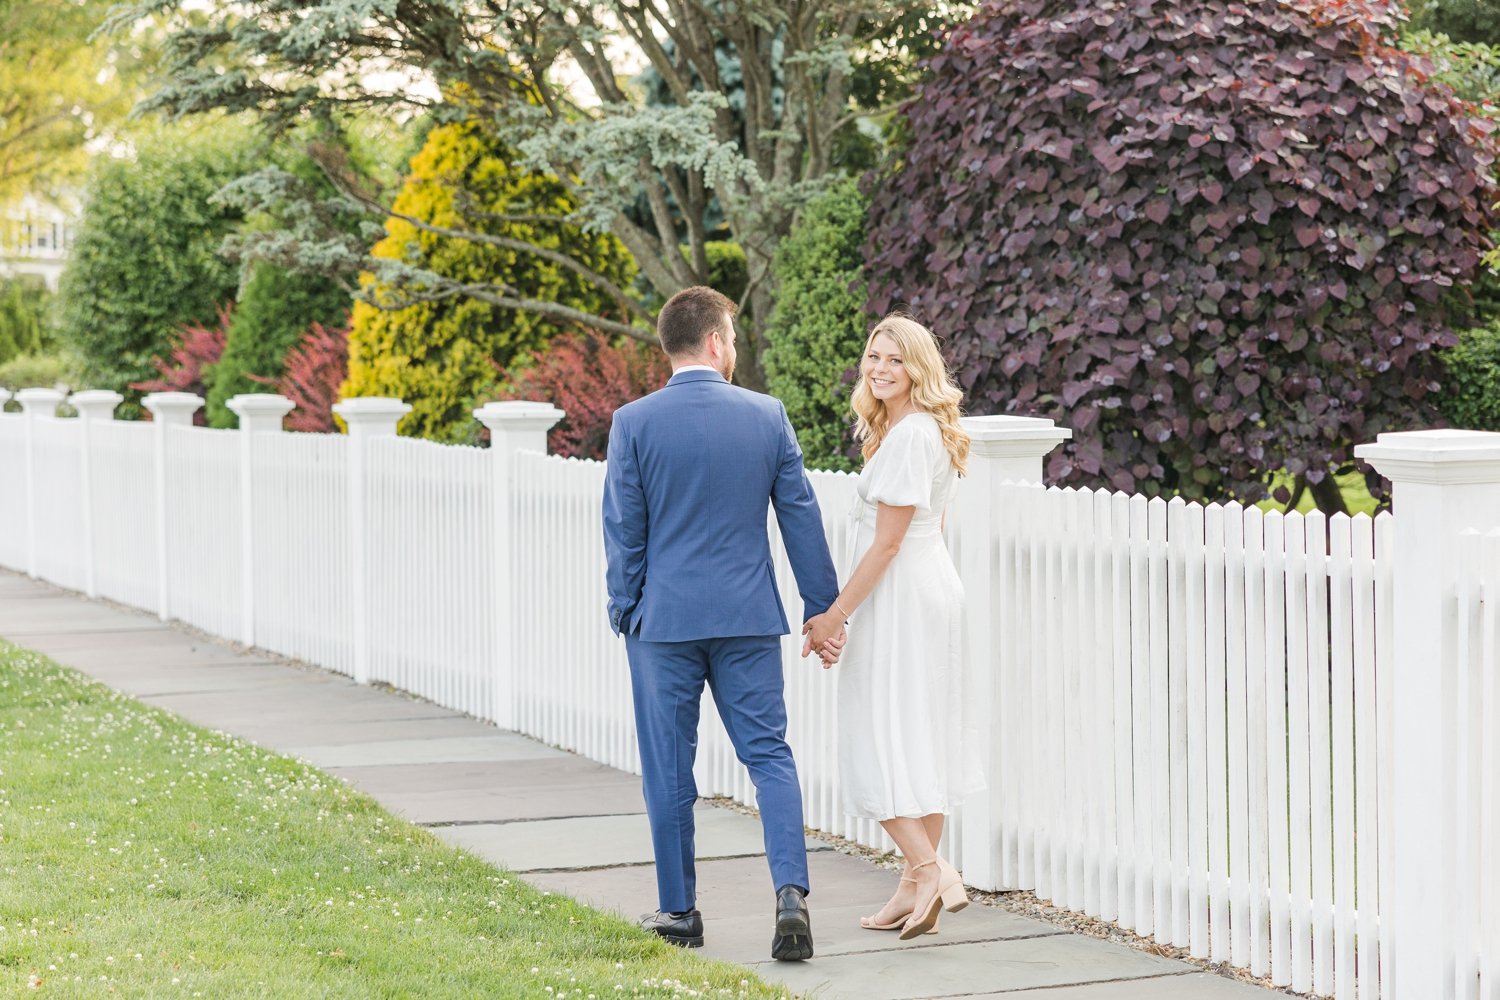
(1217, 239)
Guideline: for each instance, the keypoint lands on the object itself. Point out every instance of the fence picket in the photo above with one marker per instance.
(1177, 714)
(1143, 864)
(1216, 615)
(1278, 869)
(1197, 736)
(1340, 586)
(1299, 802)
(1120, 590)
(1239, 765)
(1366, 749)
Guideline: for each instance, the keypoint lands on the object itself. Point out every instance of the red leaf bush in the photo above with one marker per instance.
(196, 348)
(589, 378)
(315, 367)
(1215, 238)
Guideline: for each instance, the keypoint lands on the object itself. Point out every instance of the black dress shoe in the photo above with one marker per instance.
(682, 929)
(793, 939)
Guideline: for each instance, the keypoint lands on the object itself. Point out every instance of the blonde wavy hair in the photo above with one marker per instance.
(933, 390)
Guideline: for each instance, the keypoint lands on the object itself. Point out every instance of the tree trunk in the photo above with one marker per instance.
(1329, 498)
(751, 342)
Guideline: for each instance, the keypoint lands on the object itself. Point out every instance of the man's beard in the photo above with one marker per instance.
(727, 371)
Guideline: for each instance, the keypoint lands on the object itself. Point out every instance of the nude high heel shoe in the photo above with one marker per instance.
(955, 896)
(869, 924)
(924, 917)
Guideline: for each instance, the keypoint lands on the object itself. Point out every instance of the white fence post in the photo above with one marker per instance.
(34, 402)
(1005, 449)
(1443, 481)
(367, 417)
(168, 409)
(259, 412)
(514, 427)
(92, 405)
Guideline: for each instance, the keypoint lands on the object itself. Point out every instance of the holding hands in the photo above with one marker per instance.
(825, 635)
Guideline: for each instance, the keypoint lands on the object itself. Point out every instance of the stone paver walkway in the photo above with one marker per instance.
(573, 826)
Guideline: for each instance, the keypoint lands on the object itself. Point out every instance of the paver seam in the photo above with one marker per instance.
(998, 939)
(626, 864)
(1133, 980)
(89, 631)
(445, 823)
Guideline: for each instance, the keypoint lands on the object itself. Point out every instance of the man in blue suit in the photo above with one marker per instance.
(693, 469)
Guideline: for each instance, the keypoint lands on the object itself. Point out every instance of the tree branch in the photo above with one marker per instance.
(485, 293)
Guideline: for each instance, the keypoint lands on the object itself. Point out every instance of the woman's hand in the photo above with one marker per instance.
(820, 631)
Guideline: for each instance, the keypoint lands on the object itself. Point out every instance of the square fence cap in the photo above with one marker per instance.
(96, 404)
(41, 397)
(518, 414)
(96, 397)
(1008, 427)
(372, 412)
(356, 405)
(1443, 456)
(171, 400)
(260, 404)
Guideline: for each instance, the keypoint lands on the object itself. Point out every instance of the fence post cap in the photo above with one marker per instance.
(95, 404)
(90, 397)
(45, 400)
(518, 415)
(260, 404)
(170, 402)
(371, 415)
(373, 406)
(1007, 427)
(1004, 435)
(1444, 456)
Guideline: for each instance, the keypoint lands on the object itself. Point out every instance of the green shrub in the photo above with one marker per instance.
(818, 326)
(48, 371)
(439, 355)
(728, 270)
(146, 257)
(23, 318)
(1471, 392)
(276, 307)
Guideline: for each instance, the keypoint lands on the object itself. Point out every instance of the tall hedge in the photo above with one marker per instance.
(1210, 237)
(440, 355)
(1471, 397)
(145, 260)
(818, 326)
(276, 307)
(23, 318)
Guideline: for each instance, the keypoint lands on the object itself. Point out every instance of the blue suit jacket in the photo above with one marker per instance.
(692, 468)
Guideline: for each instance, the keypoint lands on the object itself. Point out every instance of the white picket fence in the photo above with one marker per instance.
(1192, 711)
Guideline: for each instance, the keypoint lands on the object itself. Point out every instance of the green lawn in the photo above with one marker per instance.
(144, 857)
(1356, 494)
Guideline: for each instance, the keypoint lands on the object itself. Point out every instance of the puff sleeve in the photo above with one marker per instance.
(901, 473)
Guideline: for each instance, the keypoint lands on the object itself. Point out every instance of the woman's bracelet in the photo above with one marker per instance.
(841, 609)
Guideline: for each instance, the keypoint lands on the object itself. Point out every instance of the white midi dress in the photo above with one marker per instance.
(903, 747)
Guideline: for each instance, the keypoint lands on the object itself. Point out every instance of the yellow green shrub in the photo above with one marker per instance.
(440, 355)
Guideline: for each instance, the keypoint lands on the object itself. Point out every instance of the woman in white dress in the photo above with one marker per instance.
(901, 756)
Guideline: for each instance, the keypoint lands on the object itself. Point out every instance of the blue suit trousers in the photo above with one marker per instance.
(744, 674)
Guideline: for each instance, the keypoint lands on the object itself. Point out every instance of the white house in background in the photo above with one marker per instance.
(35, 237)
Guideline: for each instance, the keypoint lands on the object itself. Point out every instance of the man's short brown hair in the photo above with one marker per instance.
(687, 319)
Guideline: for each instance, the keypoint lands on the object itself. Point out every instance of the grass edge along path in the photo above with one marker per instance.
(143, 856)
